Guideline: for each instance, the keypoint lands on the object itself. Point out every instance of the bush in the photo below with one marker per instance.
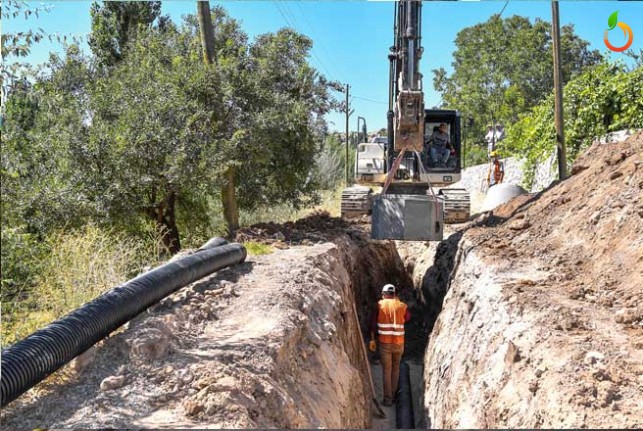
(81, 265)
(21, 257)
(603, 99)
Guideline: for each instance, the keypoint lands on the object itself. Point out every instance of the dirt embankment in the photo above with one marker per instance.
(270, 343)
(542, 323)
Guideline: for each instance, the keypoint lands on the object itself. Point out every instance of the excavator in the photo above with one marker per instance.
(414, 202)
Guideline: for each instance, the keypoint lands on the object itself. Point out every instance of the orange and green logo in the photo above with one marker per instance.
(612, 22)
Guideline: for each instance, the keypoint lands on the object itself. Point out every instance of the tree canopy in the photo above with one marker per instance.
(146, 133)
(503, 67)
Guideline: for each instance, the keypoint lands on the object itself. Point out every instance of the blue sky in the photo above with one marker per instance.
(351, 38)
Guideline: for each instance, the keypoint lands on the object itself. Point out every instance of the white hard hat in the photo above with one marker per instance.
(388, 289)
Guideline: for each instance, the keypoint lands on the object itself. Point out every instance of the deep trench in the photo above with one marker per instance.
(424, 299)
(370, 265)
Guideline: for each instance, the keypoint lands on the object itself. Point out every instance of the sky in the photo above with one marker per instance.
(351, 38)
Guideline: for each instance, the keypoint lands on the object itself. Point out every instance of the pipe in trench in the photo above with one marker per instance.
(404, 418)
(27, 362)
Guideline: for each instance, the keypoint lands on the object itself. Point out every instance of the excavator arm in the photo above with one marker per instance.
(406, 88)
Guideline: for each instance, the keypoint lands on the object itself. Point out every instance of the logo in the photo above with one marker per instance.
(612, 22)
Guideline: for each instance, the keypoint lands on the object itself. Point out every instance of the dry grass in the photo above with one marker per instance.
(82, 265)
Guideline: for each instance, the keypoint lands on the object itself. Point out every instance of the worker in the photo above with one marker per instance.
(496, 170)
(389, 319)
(440, 140)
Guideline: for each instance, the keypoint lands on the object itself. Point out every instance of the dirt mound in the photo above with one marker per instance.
(271, 343)
(318, 227)
(547, 306)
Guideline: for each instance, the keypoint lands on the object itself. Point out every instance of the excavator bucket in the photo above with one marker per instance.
(407, 217)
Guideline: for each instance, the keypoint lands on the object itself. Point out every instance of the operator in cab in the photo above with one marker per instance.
(441, 147)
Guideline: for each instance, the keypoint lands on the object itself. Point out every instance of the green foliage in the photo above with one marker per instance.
(139, 136)
(21, 262)
(331, 163)
(503, 67)
(475, 154)
(115, 24)
(257, 249)
(80, 265)
(605, 98)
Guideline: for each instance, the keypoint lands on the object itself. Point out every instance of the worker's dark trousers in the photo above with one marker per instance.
(391, 355)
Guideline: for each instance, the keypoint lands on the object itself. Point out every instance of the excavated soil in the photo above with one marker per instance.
(529, 316)
(273, 342)
(542, 322)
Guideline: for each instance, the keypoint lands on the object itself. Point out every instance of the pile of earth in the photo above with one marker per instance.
(542, 322)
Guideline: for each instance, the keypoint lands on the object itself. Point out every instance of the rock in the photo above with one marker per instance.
(578, 168)
(314, 339)
(615, 175)
(594, 218)
(513, 354)
(519, 224)
(112, 382)
(227, 383)
(84, 360)
(280, 245)
(607, 392)
(329, 330)
(150, 344)
(192, 408)
(186, 376)
(279, 236)
(594, 357)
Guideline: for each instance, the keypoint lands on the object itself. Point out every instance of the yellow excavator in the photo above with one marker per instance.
(413, 202)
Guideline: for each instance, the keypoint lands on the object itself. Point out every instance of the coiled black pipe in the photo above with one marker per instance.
(404, 418)
(28, 361)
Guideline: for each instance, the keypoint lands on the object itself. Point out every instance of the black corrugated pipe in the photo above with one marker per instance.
(404, 408)
(212, 243)
(28, 361)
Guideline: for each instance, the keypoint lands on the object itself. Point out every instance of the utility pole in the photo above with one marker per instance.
(228, 191)
(348, 114)
(558, 93)
(207, 31)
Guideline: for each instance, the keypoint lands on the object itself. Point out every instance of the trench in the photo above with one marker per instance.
(292, 361)
(422, 273)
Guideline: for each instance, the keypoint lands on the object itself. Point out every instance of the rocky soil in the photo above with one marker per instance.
(273, 342)
(542, 322)
(530, 316)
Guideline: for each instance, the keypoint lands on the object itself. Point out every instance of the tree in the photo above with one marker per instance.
(286, 125)
(116, 23)
(503, 67)
(605, 98)
(228, 192)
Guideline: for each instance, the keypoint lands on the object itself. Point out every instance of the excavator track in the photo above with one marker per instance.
(357, 201)
(457, 205)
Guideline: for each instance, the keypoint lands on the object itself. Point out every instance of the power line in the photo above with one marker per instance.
(328, 56)
(285, 14)
(370, 100)
(503, 9)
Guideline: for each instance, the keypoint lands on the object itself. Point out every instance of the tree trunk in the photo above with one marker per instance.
(164, 214)
(229, 201)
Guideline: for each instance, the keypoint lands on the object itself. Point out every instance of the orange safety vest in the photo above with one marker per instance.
(498, 170)
(390, 320)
